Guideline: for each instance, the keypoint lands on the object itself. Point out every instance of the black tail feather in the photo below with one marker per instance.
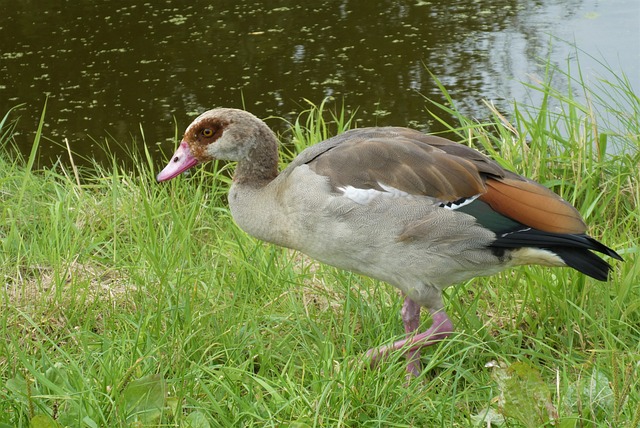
(573, 249)
(584, 261)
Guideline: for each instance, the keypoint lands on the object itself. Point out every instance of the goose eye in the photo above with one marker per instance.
(207, 132)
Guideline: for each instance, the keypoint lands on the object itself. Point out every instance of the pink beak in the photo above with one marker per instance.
(181, 161)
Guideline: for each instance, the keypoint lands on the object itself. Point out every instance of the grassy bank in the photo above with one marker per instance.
(129, 303)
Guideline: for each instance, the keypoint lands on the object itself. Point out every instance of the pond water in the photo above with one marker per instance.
(112, 68)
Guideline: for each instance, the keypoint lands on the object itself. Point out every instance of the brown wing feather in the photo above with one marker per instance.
(533, 205)
(405, 159)
(421, 164)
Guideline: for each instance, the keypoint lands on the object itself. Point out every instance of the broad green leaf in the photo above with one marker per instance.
(43, 421)
(144, 399)
(524, 395)
(197, 420)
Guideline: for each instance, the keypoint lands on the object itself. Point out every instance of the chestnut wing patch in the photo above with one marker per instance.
(533, 205)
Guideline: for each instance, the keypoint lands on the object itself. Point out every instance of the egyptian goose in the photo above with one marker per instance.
(417, 211)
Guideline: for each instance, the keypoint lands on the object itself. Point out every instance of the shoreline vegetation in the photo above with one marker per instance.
(128, 303)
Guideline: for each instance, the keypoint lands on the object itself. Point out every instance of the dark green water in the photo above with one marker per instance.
(110, 68)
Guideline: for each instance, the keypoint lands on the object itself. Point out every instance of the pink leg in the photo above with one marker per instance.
(441, 328)
(411, 321)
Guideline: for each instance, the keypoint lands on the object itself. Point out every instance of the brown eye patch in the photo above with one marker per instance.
(209, 131)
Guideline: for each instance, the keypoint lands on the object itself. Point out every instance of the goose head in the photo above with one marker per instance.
(224, 134)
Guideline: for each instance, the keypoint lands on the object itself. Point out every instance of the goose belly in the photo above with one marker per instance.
(407, 243)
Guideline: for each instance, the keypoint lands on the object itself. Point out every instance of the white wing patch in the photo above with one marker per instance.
(459, 203)
(359, 196)
(394, 192)
(365, 196)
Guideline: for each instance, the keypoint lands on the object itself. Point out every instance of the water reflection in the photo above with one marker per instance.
(110, 67)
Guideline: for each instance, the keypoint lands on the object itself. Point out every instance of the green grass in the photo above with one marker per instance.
(129, 303)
